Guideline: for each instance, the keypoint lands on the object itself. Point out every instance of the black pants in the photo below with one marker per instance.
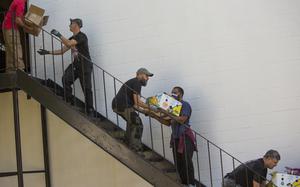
(2, 61)
(184, 162)
(83, 71)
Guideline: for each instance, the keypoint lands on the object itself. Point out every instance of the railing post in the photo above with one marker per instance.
(44, 58)
(115, 92)
(63, 69)
(174, 150)
(151, 133)
(162, 139)
(247, 180)
(222, 169)
(197, 153)
(186, 160)
(53, 63)
(209, 162)
(34, 56)
(83, 83)
(233, 164)
(27, 65)
(45, 146)
(105, 97)
(95, 92)
(73, 80)
(18, 138)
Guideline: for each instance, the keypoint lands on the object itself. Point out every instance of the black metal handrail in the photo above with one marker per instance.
(102, 73)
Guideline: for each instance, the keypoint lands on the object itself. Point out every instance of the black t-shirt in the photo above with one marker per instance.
(124, 98)
(241, 172)
(81, 47)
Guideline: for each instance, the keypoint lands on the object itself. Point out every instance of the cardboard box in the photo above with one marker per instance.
(35, 18)
(285, 180)
(167, 103)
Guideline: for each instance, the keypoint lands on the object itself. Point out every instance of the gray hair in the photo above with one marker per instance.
(272, 154)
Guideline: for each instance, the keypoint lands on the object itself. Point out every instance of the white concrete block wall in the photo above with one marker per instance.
(238, 62)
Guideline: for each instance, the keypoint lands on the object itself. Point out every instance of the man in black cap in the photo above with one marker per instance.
(127, 101)
(81, 67)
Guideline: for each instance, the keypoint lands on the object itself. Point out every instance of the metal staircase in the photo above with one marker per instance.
(150, 166)
(44, 84)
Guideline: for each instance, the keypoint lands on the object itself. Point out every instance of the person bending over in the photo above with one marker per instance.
(253, 173)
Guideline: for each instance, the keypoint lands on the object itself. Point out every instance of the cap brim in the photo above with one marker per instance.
(150, 74)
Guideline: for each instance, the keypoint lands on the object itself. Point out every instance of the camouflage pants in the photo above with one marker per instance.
(13, 49)
(134, 128)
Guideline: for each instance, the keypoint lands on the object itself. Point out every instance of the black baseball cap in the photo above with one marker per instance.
(77, 21)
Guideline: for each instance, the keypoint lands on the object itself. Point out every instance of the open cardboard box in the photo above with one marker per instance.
(35, 18)
(284, 180)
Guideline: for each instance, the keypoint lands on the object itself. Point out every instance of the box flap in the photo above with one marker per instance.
(45, 20)
(34, 15)
(36, 10)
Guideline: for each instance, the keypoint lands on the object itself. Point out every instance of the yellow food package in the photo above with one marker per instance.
(166, 102)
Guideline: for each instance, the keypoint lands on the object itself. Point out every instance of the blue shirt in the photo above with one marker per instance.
(177, 128)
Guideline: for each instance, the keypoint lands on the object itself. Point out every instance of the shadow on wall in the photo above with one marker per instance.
(201, 120)
(202, 113)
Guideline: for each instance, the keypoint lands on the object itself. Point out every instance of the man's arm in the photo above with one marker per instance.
(21, 23)
(68, 43)
(139, 104)
(256, 184)
(65, 41)
(60, 51)
(55, 52)
(181, 119)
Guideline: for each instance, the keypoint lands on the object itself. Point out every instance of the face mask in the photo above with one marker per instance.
(143, 82)
(175, 96)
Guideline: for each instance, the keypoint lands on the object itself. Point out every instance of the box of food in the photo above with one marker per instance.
(166, 102)
(285, 180)
(35, 19)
